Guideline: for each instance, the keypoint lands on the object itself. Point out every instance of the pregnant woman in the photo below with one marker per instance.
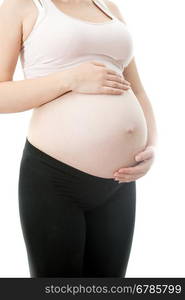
(92, 133)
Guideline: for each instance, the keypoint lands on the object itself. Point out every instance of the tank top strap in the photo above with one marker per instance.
(104, 7)
(100, 3)
(38, 4)
(49, 4)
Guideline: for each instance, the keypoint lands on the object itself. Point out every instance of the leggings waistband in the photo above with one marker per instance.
(30, 148)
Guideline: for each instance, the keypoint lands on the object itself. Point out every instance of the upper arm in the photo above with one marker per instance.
(130, 72)
(132, 75)
(10, 36)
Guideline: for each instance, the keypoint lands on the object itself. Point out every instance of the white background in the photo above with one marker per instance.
(158, 246)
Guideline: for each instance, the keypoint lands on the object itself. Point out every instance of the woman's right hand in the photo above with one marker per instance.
(96, 78)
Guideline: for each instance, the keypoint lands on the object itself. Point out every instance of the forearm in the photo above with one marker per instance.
(21, 95)
(150, 118)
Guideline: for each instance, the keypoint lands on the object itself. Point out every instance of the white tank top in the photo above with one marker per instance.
(59, 41)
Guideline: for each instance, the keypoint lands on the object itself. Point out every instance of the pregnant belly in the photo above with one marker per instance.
(97, 134)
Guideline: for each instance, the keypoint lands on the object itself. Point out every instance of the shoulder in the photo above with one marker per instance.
(114, 9)
(16, 8)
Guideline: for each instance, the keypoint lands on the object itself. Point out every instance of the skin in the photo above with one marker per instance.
(17, 18)
(145, 158)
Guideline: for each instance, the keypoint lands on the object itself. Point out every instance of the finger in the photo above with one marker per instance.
(124, 179)
(116, 78)
(147, 154)
(128, 180)
(127, 82)
(110, 71)
(116, 85)
(111, 91)
(134, 170)
(129, 177)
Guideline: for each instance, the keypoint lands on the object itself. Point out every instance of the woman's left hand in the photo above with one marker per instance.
(145, 160)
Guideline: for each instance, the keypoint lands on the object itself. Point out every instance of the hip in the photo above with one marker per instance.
(43, 177)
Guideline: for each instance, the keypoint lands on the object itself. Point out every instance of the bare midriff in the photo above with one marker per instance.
(95, 133)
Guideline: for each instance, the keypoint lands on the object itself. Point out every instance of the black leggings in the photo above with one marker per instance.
(74, 224)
